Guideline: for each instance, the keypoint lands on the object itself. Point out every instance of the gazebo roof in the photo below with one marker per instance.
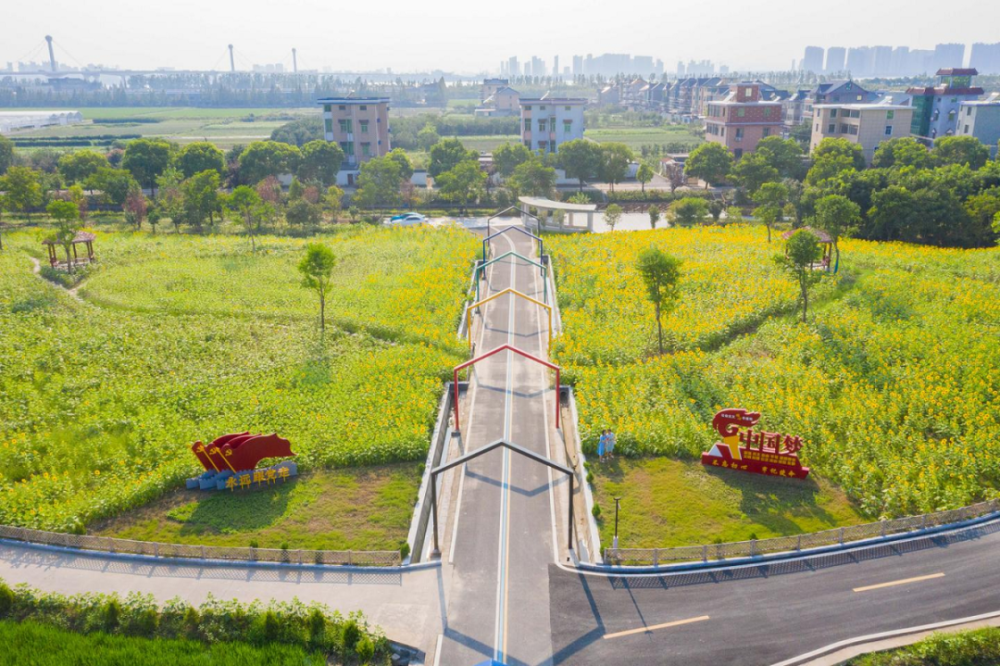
(549, 204)
(818, 233)
(81, 237)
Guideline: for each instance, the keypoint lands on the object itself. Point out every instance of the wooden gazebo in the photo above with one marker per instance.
(824, 238)
(84, 238)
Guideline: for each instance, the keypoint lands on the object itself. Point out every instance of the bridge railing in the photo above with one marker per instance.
(789, 544)
(87, 542)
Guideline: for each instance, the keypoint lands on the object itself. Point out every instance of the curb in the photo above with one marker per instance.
(788, 555)
(195, 561)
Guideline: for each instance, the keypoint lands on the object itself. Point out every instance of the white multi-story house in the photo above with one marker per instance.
(548, 122)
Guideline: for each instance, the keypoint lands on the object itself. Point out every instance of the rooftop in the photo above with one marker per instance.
(957, 71)
(864, 107)
(554, 100)
(352, 100)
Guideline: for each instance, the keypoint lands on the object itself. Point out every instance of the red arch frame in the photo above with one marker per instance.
(526, 355)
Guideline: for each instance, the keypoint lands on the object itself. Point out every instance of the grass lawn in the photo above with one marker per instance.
(667, 502)
(224, 127)
(345, 509)
(636, 137)
(487, 142)
(34, 644)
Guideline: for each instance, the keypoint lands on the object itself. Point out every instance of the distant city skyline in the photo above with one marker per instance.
(457, 37)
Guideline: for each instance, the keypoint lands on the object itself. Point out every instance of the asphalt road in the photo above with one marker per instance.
(766, 614)
(497, 604)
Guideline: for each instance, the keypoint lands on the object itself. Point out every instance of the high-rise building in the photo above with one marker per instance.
(921, 61)
(881, 60)
(949, 56)
(681, 71)
(985, 58)
(555, 66)
(513, 69)
(577, 65)
(813, 60)
(537, 66)
(836, 57)
(899, 64)
(859, 61)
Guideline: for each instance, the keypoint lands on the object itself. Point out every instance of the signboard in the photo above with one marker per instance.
(757, 452)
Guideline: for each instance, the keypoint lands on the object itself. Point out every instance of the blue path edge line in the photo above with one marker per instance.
(786, 556)
(232, 564)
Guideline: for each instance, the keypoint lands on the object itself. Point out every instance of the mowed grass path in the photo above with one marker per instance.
(183, 339)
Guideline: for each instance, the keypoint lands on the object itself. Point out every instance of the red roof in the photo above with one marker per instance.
(958, 71)
(818, 233)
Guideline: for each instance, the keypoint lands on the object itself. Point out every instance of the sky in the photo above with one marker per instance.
(463, 36)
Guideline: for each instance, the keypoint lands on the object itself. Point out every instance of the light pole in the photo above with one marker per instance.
(615, 543)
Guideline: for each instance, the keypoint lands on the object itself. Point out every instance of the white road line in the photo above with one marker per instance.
(437, 652)
(665, 625)
(894, 583)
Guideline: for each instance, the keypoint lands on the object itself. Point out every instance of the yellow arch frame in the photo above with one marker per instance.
(508, 290)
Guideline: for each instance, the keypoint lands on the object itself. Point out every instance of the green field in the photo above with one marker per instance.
(184, 338)
(34, 644)
(487, 143)
(224, 127)
(637, 137)
(978, 647)
(890, 384)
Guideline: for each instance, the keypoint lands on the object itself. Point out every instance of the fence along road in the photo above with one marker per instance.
(497, 604)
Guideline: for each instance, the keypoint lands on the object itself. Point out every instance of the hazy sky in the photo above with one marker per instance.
(467, 36)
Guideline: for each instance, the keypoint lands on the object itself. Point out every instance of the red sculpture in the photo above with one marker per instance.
(743, 449)
(729, 421)
(240, 452)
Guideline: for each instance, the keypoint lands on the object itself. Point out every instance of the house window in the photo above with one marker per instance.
(968, 110)
(888, 130)
(832, 129)
(767, 112)
(364, 108)
(748, 91)
(328, 126)
(833, 113)
(859, 98)
(567, 127)
(366, 149)
(738, 153)
(852, 130)
(741, 112)
(951, 116)
(541, 125)
(342, 108)
(326, 108)
(541, 108)
(567, 108)
(739, 133)
(843, 128)
(543, 146)
(966, 129)
(767, 132)
(364, 126)
(345, 125)
(889, 115)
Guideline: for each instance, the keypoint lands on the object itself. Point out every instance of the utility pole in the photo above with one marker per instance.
(615, 544)
(52, 55)
(232, 62)
(295, 62)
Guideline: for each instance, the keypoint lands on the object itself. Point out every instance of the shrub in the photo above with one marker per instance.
(6, 600)
(351, 635)
(596, 511)
(112, 615)
(365, 650)
(404, 550)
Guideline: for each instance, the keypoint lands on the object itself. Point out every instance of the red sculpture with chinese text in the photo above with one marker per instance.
(758, 452)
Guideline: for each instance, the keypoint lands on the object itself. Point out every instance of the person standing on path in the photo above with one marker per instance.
(601, 444)
(609, 444)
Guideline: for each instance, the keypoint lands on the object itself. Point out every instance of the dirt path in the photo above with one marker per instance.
(37, 270)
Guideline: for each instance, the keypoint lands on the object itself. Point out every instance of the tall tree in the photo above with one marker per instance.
(770, 200)
(661, 274)
(399, 156)
(136, 208)
(580, 159)
(146, 159)
(248, 205)
(268, 158)
(832, 158)
(201, 198)
(802, 251)
(644, 175)
(200, 156)
(533, 179)
(838, 216)
(902, 152)
(961, 150)
(615, 158)
(23, 188)
(78, 166)
(509, 156)
(6, 154)
(463, 183)
(316, 268)
(446, 155)
(67, 218)
(171, 201)
(612, 216)
(321, 162)
(752, 171)
(674, 173)
(711, 162)
(654, 215)
(785, 155)
(687, 211)
(378, 183)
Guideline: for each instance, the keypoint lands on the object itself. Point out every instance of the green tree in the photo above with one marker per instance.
(6, 154)
(615, 159)
(785, 155)
(983, 208)
(79, 166)
(838, 216)
(136, 208)
(248, 205)
(446, 155)
(67, 218)
(201, 198)
(661, 274)
(752, 171)
(23, 188)
(715, 208)
(533, 179)
(268, 158)
(399, 156)
(711, 162)
(302, 213)
(427, 136)
(674, 173)
(654, 215)
(961, 150)
(687, 211)
(509, 156)
(333, 201)
(612, 216)
(833, 157)
(902, 152)
(463, 183)
(892, 211)
(316, 268)
(113, 184)
(802, 251)
(146, 159)
(580, 159)
(171, 201)
(378, 183)
(76, 195)
(770, 200)
(644, 175)
(200, 156)
(321, 162)
(296, 190)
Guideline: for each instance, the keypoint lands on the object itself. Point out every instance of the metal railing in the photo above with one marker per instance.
(789, 544)
(364, 558)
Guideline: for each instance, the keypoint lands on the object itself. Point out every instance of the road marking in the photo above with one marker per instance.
(437, 652)
(666, 625)
(905, 581)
